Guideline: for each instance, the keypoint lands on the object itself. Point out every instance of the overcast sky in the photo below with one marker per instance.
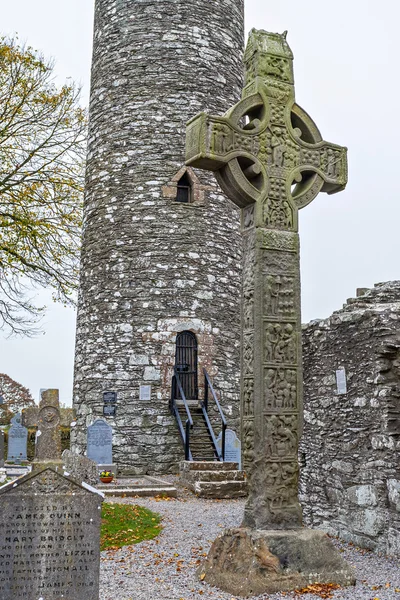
(346, 69)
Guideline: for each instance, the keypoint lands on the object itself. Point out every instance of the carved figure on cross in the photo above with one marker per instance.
(270, 160)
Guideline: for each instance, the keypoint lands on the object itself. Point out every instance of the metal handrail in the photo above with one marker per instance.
(185, 433)
(211, 432)
(208, 385)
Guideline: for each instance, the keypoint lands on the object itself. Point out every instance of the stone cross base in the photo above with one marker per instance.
(250, 562)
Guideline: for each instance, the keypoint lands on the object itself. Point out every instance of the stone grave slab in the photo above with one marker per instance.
(233, 447)
(144, 486)
(17, 441)
(49, 538)
(80, 468)
(99, 444)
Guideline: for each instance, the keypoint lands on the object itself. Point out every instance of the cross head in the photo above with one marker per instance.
(47, 419)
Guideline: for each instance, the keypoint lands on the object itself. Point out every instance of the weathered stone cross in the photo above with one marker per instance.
(47, 418)
(270, 159)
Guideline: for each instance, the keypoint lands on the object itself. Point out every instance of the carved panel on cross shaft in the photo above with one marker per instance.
(248, 354)
(278, 214)
(281, 485)
(280, 343)
(279, 296)
(275, 261)
(248, 397)
(248, 260)
(281, 436)
(248, 309)
(286, 241)
(248, 441)
(280, 389)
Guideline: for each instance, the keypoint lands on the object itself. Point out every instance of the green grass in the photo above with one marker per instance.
(124, 524)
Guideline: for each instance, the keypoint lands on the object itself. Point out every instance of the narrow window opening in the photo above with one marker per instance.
(184, 192)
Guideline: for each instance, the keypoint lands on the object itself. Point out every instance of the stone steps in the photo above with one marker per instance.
(201, 445)
(213, 479)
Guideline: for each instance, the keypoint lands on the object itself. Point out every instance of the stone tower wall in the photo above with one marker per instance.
(152, 266)
(350, 450)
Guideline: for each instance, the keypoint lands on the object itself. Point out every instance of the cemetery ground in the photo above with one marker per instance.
(164, 568)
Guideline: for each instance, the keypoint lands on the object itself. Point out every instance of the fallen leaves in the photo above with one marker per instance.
(323, 590)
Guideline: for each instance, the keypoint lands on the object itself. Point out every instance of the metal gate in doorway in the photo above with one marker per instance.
(186, 363)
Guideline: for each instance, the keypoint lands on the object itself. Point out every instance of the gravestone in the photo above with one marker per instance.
(48, 434)
(270, 160)
(99, 445)
(233, 447)
(17, 441)
(80, 468)
(49, 538)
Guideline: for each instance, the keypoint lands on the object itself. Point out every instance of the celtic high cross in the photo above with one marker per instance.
(270, 159)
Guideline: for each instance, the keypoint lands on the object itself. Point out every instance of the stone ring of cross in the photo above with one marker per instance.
(267, 146)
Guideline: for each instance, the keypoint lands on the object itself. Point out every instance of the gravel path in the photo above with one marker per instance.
(164, 568)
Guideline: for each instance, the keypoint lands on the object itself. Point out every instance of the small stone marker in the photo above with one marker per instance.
(233, 447)
(270, 160)
(49, 538)
(48, 435)
(17, 441)
(341, 382)
(80, 468)
(99, 443)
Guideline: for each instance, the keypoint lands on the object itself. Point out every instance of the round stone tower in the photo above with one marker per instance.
(160, 273)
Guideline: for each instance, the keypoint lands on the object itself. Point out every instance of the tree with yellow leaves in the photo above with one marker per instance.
(42, 149)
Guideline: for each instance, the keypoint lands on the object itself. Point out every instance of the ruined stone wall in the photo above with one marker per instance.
(350, 451)
(152, 266)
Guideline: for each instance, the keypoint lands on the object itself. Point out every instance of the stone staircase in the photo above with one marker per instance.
(201, 445)
(213, 479)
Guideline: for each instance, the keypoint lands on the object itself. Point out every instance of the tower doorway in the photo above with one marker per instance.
(186, 363)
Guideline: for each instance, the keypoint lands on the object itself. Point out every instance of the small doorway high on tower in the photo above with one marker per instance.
(186, 363)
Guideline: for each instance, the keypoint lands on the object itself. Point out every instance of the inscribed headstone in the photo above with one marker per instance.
(17, 441)
(49, 539)
(232, 447)
(99, 442)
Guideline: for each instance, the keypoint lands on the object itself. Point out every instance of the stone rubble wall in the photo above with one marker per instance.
(152, 267)
(350, 450)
